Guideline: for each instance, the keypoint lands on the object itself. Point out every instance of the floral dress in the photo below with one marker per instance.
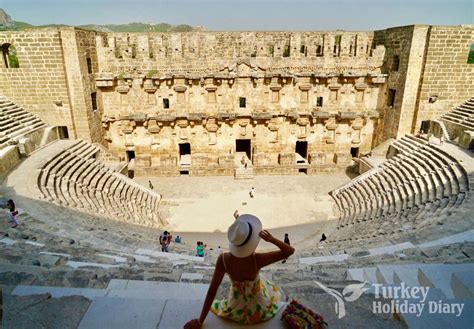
(249, 302)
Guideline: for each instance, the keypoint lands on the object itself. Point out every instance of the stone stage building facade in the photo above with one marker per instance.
(206, 103)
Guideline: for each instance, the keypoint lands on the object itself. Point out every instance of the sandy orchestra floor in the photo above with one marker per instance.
(203, 206)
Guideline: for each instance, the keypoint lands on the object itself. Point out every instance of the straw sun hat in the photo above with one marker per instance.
(243, 235)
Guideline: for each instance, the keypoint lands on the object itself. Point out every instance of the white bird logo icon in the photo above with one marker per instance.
(350, 293)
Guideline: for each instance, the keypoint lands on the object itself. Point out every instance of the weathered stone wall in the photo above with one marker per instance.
(9, 158)
(201, 52)
(157, 91)
(82, 65)
(53, 80)
(447, 77)
(39, 84)
(404, 45)
(11, 155)
(432, 64)
(213, 142)
(202, 76)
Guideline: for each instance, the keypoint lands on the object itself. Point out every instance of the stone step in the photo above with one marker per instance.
(439, 319)
(116, 313)
(439, 276)
(455, 238)
(57, 292)
(168, 255)
(462, 285)
(323, 259)
(150, 304)
(454, 313)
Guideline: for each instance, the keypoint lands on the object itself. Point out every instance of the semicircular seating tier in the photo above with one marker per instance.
(74, 178)
(16, 123)
(462, 115)
(419, 182)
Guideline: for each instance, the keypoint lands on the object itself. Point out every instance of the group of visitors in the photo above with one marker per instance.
(165, 240)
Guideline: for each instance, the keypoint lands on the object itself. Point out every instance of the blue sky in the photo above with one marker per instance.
(247, 14)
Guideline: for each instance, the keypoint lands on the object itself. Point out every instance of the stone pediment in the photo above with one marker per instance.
(242, 68)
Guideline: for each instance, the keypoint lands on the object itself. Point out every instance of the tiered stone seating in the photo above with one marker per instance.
(15, 122)
(73, 178)
(420, 179)
(462, 115)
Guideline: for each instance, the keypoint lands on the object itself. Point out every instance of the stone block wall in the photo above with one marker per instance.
(53, 79)
(162, 90)
(11, 155)
(78, 50)
(433, 75)
(149, 93)
(39, 84)
(447, 77)
(199, 52)
(9, 158)
(88, 65)
(398, 42)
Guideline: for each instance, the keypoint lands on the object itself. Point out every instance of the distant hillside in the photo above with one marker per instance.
(5, 19)
(16, 26)
(132, 27)
(140, 27)
(7, 24)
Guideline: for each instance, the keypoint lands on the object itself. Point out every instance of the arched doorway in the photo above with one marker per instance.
(9, 55)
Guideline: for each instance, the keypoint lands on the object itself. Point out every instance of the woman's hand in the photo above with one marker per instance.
(265, 235)
(193, 324)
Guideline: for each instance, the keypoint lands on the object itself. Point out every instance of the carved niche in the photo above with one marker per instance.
(212, 127)
(334, 87)
(127, 129)
(182, 126)
(331, 127)
(357, 125)
(302, 127)
(154, 128)
(273, 128)
(360, 87)
(243, 123)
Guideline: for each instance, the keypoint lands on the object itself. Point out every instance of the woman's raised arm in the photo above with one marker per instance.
(267, 258)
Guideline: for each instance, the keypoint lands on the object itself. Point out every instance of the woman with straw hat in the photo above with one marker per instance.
(252, 298)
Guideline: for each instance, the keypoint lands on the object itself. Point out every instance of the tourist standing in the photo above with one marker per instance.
(199, 249)
(164, 241)
(441, 140)
(13, 213)
(323, 238)
(252, 192)
(243, 161)
(150, 185)
(286, 239)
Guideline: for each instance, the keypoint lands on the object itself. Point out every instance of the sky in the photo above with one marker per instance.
(247, 15)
